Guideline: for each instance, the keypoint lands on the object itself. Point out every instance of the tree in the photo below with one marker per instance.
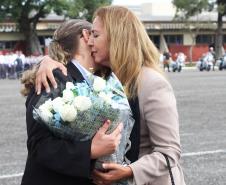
(86, 8)
(27, 14)
(189, 8)
(221, 6)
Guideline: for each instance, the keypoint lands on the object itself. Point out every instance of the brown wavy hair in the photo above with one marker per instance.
(129, 45)
(62, 48)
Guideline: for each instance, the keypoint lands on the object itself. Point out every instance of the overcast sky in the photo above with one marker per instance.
(136, 2)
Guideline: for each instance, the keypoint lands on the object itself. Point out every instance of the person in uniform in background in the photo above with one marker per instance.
(166, 62)
(2, 66)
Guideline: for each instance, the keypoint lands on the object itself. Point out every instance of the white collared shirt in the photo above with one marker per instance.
(83, 70)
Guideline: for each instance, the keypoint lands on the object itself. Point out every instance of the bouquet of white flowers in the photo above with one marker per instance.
(82, 109)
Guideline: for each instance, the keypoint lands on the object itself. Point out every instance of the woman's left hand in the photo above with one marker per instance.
(114, 172)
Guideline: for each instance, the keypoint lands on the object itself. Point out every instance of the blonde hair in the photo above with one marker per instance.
(62, 48)
(129, 45)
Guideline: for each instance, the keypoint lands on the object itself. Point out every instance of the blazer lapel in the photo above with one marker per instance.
(133, 153)
(74, 72)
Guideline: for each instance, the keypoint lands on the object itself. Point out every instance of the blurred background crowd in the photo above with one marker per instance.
(13, 64)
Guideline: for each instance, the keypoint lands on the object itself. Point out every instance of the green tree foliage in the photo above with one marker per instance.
(85, 8)
(189, 8)
(27, 13)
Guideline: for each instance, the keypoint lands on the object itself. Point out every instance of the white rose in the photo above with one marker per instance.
(69, 85)
(46, 115)
(45, 111)
(68, 95)
(82, 103)
(57, 104)
(47, 105)
(105, 97)
(99, 84)
(68, 113)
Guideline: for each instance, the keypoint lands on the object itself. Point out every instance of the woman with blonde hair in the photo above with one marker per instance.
(54, 160)
(119, 41)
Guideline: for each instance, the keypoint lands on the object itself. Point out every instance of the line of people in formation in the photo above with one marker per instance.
(13, 64)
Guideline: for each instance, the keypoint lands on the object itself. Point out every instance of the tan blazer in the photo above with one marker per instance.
(159, 132)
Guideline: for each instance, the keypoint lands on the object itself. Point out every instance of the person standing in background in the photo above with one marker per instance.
(167, 60)
(2, 66)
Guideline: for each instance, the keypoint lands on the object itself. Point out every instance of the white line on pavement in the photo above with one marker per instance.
(186, 134)
(183, 155)
(11, 175)
(203, 153)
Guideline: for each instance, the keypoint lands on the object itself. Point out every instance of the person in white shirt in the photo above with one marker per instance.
(2, 66)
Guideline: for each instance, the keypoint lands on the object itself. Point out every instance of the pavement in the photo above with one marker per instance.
(201, 101)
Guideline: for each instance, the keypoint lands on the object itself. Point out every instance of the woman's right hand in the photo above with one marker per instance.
(44, 72)
(105, 144)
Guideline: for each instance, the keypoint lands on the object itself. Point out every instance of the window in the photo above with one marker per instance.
(155, 39)
(224, 39)
(10, 45)
(174, 39)
(2, 45)
(205, 39)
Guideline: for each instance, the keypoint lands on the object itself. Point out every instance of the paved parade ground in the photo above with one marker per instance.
(201, 98)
